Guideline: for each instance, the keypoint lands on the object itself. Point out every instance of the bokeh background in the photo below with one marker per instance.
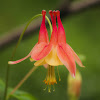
(82, 33)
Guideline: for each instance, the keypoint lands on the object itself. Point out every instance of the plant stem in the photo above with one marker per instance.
(49, 24)
(23, 80)
(6, 86)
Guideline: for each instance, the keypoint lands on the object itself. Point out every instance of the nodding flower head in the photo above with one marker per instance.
(53, 53)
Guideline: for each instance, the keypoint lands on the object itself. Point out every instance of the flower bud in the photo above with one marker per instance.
(74, 86)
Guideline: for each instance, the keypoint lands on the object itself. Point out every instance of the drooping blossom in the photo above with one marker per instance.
(53, 53)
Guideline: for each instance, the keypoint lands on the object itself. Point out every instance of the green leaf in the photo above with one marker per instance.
(20, 95)
(24, 96)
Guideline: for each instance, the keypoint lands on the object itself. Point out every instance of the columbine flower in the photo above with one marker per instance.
(55, 53)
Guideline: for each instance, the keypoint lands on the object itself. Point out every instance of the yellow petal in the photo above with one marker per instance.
(40, 62)
(52, 59)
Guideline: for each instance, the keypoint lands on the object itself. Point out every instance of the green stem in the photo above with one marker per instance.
(14, 51)
(49, 24)
(6, 85)
(22, 81)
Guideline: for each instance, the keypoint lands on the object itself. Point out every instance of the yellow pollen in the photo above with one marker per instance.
(50, 78)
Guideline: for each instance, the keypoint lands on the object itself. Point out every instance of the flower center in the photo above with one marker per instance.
(50, 78)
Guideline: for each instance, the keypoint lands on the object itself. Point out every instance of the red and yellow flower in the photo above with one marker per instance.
(54, 53)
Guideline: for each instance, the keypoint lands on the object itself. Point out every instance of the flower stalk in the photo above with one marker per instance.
(22, 81)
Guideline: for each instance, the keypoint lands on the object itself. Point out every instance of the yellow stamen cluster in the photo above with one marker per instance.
(50, 78)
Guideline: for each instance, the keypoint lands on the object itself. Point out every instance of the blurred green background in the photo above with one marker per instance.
(82, 33)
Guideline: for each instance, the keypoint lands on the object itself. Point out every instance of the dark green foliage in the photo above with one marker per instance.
(19, 95)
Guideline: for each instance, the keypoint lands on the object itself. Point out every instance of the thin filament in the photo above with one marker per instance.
(58, 74)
